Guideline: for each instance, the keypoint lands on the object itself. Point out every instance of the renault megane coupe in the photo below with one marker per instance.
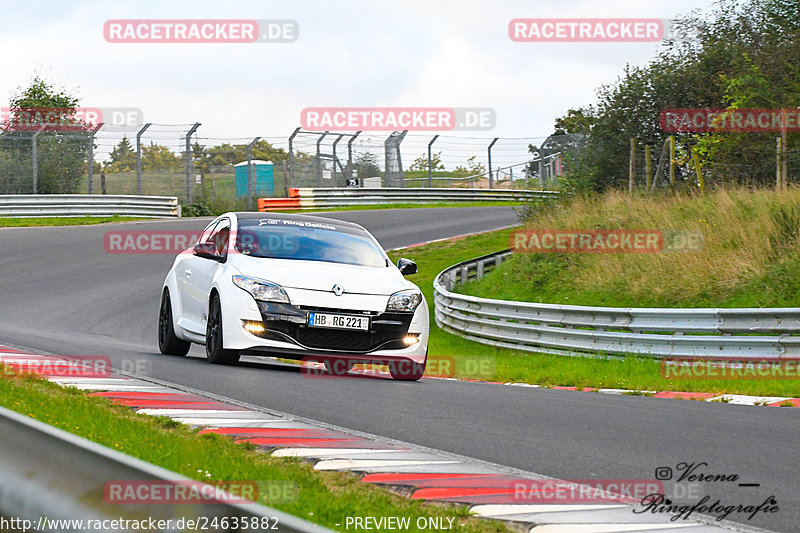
(296, 287)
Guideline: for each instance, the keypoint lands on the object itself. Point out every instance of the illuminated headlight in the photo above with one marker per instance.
(411, 339)
(253, 326)
(404, 301)
(261, 290)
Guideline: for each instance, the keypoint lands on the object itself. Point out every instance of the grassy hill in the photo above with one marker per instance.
(750, 254)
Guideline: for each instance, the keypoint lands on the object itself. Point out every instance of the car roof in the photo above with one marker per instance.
(249, 215)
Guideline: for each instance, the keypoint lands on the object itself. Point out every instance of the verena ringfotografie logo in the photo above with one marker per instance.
(585, 30)
(200, 31)
(596, 241)
(68, 119)
(699, 120)
(397, 118)
(722, 368)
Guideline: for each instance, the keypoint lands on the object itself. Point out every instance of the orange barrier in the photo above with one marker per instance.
(269, 204)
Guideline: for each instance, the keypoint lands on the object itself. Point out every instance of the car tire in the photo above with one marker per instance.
(407, 370)
(214, 345)
(168, 342)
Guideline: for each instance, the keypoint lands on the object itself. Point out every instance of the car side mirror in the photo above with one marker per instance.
(406, 266)
(207, 250)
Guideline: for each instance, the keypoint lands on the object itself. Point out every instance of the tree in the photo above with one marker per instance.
(158, 157)
(366, 165)
(123, 157)
(473, 168)
(743, 52)
(421, 163)
(62, 146)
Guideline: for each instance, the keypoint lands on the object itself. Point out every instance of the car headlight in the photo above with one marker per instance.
(404, 301)
(261, 290)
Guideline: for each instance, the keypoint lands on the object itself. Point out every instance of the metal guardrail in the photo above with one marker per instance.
(47, 472)
(758, 333)
(307, 198)
(71, 205)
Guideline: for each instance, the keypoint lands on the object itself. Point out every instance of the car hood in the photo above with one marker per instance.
(322, 276)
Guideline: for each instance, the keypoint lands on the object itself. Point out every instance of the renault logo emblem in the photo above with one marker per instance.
(338, 290)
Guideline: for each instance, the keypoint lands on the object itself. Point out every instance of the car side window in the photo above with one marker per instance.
(204, 237)
(221, 235)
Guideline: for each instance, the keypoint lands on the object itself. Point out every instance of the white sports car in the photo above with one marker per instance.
(297, 287)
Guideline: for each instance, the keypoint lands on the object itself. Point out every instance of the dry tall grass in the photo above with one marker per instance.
(745, 234)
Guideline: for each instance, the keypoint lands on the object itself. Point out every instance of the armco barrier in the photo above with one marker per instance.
(308, 198)
(72, 205)
(47, 472)
(768, 333)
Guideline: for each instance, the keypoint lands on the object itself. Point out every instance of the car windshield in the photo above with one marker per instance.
(280, 238)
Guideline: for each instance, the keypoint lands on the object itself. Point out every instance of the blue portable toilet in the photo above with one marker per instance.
(263, 174)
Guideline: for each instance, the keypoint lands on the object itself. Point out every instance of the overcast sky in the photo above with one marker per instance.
(350, 53)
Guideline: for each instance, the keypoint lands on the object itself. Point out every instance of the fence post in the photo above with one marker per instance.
(35, 157)
(632, 165)
(778, 165)
(139, 158)
(291, 157)
(491, 177)
(251, 188)
(430, 161)
(336, 159)
(319, 160)
(648, 167)
(784, 155)
(91, 155)
(671, 162)
(699, 171)
(189, 162)
(350, 154)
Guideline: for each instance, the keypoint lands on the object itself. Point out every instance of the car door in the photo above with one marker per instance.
(200, 272)
(186, 267)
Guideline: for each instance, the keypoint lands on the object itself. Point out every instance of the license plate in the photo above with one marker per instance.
(329, 320)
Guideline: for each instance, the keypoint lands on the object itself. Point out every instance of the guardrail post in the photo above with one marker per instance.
(491, 177)
(91, 155)
(291, 157)
(250, 179)
(430, 161)
(139, 157)
(189, 162)
(35, 158)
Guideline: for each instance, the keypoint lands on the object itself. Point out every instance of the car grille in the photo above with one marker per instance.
(386, 332)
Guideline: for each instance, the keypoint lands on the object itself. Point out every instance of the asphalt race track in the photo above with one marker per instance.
(62, 293)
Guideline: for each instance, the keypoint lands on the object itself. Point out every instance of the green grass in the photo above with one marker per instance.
(325, 498)
(13, 222)
(544, 369)
(750, 254)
